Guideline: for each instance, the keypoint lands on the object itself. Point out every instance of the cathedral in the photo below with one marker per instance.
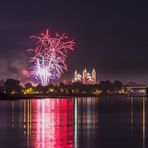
(86, 77)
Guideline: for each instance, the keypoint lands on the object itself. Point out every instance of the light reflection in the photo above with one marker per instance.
(132, 113)
(76, 124)
(86, 121)
(52, 123)
(143, 99)
(27, 120)
(12, 105)
(143, 121)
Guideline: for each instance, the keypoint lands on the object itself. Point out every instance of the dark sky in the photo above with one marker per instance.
(110, 35)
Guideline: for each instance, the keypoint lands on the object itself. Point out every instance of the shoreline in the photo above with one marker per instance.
(44, 96)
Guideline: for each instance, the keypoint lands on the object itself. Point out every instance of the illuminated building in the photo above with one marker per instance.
(86, 77)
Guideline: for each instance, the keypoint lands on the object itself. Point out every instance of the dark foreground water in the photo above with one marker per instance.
(104, 122)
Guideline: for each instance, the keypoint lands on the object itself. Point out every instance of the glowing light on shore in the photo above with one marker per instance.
(50, 55)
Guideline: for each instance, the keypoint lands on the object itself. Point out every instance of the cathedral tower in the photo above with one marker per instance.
(94, 75)
(84, 77)
(75, 74)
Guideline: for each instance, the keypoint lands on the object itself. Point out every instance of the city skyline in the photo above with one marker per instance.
(111, 36)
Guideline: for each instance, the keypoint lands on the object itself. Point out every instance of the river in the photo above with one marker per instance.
(86, 122)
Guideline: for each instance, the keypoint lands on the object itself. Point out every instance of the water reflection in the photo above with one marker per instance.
(49, 123)
(87, 122)
(27, 120)
(143, 121)
(132, 113)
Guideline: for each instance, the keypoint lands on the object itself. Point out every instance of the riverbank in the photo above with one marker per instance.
(40, 96)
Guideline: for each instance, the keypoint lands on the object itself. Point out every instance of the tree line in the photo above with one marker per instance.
(12, 86)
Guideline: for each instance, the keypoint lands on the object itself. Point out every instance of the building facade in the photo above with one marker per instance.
(85, 77)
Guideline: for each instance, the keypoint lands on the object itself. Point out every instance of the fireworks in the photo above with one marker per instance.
(50, 55)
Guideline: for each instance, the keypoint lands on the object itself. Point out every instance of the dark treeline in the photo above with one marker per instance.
(11, 86)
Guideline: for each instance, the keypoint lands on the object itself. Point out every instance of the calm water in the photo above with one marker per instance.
(104, 122)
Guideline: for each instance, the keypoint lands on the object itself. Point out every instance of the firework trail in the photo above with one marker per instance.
(50, 55)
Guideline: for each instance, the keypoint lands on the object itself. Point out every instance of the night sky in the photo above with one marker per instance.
(111, 36)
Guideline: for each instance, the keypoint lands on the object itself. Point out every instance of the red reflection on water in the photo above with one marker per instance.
(52, 125)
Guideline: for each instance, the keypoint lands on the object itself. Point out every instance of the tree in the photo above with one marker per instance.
(1, 86)
(105, 85)
(11, 85)
(117, 85)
